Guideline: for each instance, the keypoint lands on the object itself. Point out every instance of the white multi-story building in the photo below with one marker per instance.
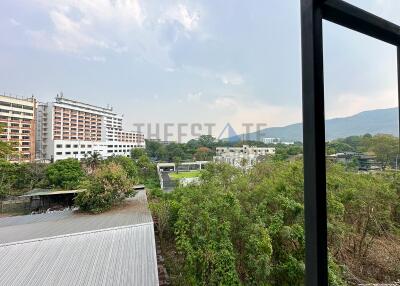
(275, 140)
(72, 129)
(271, 140)
(243, 157)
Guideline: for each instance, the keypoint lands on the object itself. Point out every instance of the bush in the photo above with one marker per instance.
(107, 186)
(17, 178)
(66, 174)
(127, 164)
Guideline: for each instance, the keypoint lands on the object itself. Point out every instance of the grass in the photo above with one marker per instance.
(181, 175)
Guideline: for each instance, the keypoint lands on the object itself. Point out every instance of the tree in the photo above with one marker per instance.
(92, 161)
(107, 186)
(66, 174)
(6, 148)
(155, 150)
(175, 150)
(385, 147)
(137, 152)
(207, 141)
(127, 164)
(203, 154)
(177, 161)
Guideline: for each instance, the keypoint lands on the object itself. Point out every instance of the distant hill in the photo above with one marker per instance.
(371, 121)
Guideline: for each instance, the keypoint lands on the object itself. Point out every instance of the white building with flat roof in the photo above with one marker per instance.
(72, 129)
(276, 140)
(243, 157)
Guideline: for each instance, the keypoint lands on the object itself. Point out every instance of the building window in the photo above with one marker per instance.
(75, 152)
(59, 153)
(67, 153)
(68, 146)
(75, 146)
(59, 146)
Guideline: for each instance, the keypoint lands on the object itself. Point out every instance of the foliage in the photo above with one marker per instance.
(247, 228)
(284, 152)
(137, 152)
(92, 161)
(107, 186)
(6, 148)
(127, 164)
(66, 174)
(203, 154)
(17, 178)
(385, 147)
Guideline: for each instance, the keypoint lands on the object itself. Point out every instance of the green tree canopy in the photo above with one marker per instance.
(66, 174)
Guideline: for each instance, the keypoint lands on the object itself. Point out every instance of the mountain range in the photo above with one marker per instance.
(372, 121)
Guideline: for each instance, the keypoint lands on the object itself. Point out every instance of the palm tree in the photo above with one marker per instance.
(93, 161)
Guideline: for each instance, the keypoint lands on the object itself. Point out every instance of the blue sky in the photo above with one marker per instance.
(189, 61)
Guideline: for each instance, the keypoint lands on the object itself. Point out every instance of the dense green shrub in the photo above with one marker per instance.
(127, 164)
(16, 179)
(107, 186)
(66, 174)
(248, 227)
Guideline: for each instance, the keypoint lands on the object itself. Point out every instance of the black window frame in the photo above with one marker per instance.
(313, 12)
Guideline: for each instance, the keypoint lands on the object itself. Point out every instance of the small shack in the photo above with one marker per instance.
(49, 198)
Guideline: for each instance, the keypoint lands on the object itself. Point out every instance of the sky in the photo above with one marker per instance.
(210, 61)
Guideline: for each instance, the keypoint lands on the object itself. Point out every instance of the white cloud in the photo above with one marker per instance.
(98, 59)
(14, 22)
(194, 97)
(347, 104)
(240, 109)
(181, 14)
(87, 27)
(169, 69)
(231, 78)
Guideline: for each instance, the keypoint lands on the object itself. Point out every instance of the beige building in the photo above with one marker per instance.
(242, 157)
(17, 118)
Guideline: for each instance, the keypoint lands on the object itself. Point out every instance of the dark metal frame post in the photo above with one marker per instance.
(398, 88)
(314, 144)
(312, 14)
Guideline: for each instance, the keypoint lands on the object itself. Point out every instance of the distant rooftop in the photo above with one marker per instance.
(71, 248)
(18, 97)
(61, 99)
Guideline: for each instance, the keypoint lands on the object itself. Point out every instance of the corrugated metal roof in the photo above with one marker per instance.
(133, 211)
(49, 192)
(65, 248)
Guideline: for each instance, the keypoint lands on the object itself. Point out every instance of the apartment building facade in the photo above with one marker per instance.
(18, 119)
(242, 157)
(72, 129)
